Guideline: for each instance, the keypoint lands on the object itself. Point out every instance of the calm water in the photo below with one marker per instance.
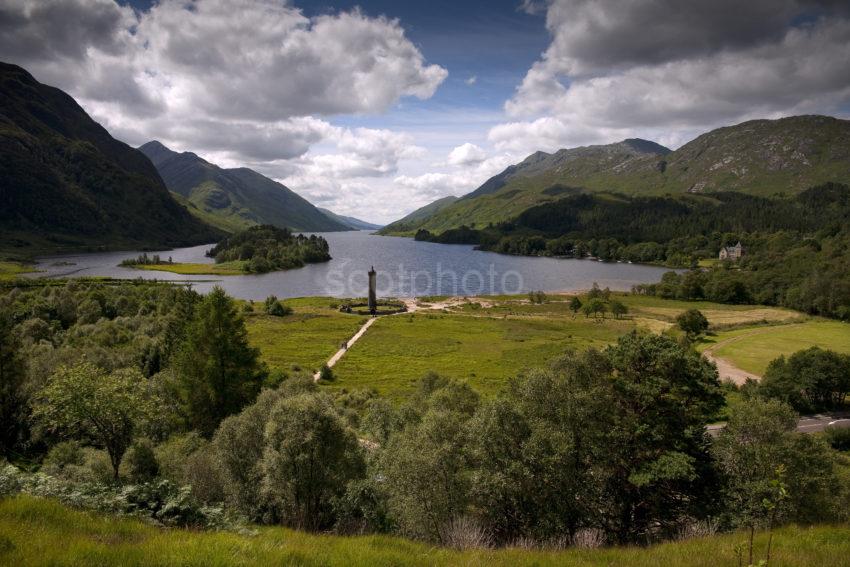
(406, 268)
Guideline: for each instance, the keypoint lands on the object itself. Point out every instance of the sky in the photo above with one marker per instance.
(375, 108)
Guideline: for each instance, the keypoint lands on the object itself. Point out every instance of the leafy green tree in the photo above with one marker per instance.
(427, 475)
(575, 305)
(535, 451)
(618, 308)
(326, 373)
(12, 398)
(692, 322)
(771, 473)
(657, 448)
(809, 380)
(594, 307)
(85, 401)
(217, 371)
(310, 457)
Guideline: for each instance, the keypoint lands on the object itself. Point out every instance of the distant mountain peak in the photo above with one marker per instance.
(234, 199)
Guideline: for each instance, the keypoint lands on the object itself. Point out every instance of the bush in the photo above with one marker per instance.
(170, 505)
(63, 454)
(141, 462)
(838, 438)
(326, 373)
(275, 308)
(203, 473)
(10, 479)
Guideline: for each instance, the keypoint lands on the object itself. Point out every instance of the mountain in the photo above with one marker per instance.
(418, 217)
(351, 222)
(759, 157)
(66, 184)
(234, 199)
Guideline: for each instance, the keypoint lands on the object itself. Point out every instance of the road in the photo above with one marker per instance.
(806, 424)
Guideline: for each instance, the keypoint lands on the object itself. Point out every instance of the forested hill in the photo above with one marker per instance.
(65, 183)
(759, 157)
(234, 199)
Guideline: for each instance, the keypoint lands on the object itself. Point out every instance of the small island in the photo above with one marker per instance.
(256, 250)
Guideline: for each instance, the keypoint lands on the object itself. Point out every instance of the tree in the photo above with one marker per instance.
(809, 380)
(217, 372)
(86, 401)
(692, 322)
(310, 457)
(618, 308)
(275, 308)
(770, 473)
(575, 305)
(594, 307)
(12, 398)
(656, 457)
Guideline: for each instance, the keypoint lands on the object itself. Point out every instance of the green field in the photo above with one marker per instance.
(306, 339)
(753, 349)
(236, 268)
(43, 532)
(484, 351)
(12, 270)
(487, 340)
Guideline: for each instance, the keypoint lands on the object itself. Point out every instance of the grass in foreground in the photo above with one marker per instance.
(753, 349)
(42, 532)
(236, 268)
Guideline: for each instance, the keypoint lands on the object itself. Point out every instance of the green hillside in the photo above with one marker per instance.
(354, 223)
(415, 219)
(760, 157)
(234, 199)
(66, 184)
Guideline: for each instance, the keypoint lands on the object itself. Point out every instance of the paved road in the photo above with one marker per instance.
(806, 424)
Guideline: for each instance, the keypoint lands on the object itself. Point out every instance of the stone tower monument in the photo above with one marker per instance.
(373, 299)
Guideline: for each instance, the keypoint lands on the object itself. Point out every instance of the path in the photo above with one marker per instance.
(412, 306)
(339, 354)
(725, 368)
(806, 423)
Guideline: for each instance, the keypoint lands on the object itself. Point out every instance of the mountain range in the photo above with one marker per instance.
(758, 157)
(234, 199)
(66, 184)
(351, 222)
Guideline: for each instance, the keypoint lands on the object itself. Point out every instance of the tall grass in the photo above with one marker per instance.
(43, 532)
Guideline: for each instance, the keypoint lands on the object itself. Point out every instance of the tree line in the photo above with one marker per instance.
(266, 248)
(797, 248)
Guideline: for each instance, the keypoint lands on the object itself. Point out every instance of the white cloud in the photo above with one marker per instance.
(644, 71)
(248, 74)
(466, 154)
(471, 80)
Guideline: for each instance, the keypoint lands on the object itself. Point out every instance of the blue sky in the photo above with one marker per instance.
(375, 108)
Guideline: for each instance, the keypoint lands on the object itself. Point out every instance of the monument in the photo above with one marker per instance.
(373, 299)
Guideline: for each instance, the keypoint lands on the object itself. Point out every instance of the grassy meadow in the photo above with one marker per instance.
(43, 532)
(12, 270)
(752, 349)
(236, 268)
(484, 351)
(306, 339)
(487, 340)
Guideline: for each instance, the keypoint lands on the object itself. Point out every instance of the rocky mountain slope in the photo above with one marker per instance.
(759, 157)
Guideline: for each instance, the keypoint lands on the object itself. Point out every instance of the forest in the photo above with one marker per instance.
(265, 248)
(147, 399)
(797, 249)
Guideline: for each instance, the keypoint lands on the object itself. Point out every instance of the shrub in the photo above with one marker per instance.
(10, 479)
(203, 473)
(141, 462)
(326, 373)
(275, 308)
(63, 454)
(838, 438)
